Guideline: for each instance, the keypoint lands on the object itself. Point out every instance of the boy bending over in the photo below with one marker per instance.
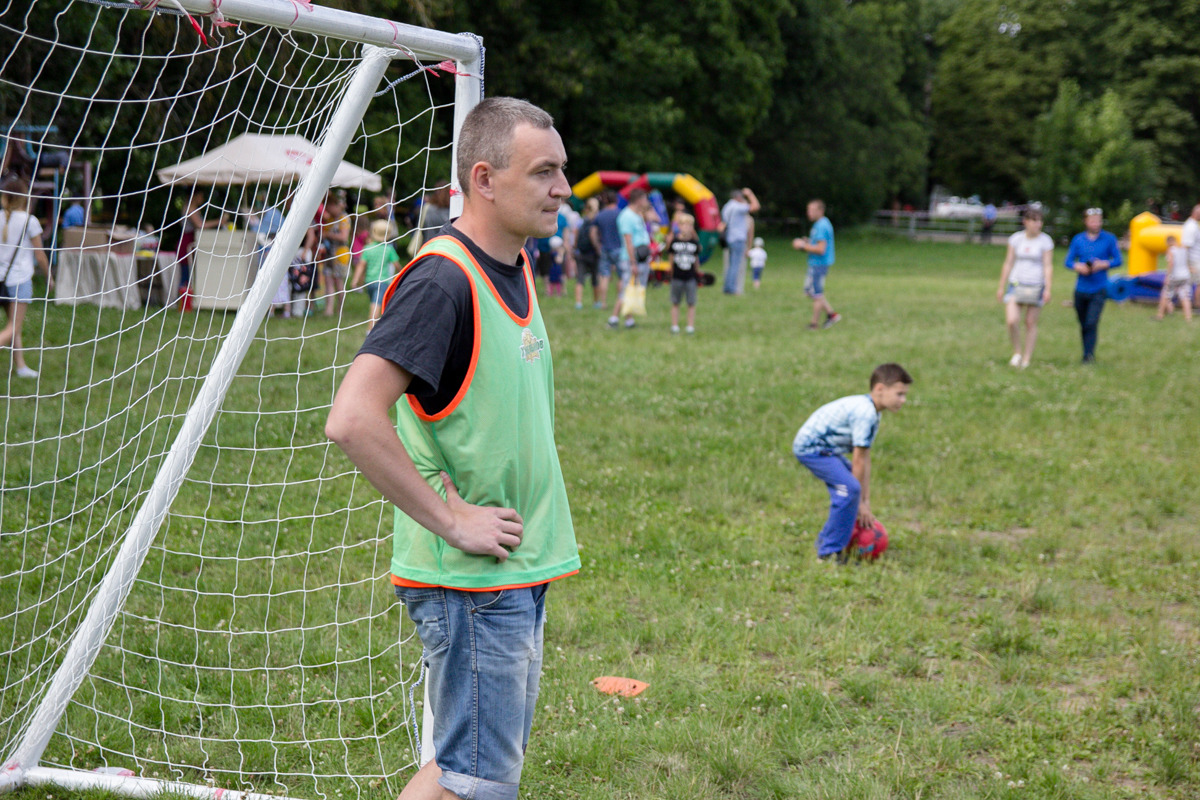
(846, 426)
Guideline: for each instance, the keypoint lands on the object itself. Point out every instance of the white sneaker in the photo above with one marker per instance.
(26, 372)
(689, 329)
(1024, 363)
(1015, 361)
(629, 323)
(674, 329)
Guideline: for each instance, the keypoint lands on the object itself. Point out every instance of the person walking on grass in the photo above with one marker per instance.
(20, 248)
(848, 426)
(460, 355)
(736, 226)
(684, 257)
(1091, 255)
(634, 256)
(819, 246)
(1025, 284)
(376, 265)
(609, 262)
(587, 255)
(758, 261)
(1190, 239)
(1177, 283)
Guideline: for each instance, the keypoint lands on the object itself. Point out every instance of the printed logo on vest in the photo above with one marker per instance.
(531, 346)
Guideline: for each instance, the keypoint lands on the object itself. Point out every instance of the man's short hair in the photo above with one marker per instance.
(635, 195)
(818, 202)
(890, 373)
(487, 133)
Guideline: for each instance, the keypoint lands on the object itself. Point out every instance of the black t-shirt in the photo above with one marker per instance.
(685, 258)
(428, 325)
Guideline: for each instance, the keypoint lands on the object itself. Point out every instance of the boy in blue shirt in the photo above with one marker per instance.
(1091, 255)
(848, 426)
(819, 246)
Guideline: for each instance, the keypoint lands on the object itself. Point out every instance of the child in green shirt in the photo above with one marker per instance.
(378, 262)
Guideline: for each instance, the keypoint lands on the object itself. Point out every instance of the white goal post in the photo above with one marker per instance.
(193, 586)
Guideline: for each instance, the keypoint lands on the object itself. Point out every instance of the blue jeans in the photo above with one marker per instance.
(609, 259)
(737, 253)
(483, 651)
(844, 493)
(1088, 308)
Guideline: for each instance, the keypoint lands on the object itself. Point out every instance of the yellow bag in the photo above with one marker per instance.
(633, 299)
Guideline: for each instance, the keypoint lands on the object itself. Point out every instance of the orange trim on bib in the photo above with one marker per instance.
(527, 271)
(413, 402)
(405, 582)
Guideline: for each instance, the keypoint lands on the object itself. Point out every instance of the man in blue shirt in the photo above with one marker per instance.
(74, 215)
(989, 222)
(1091, 255)
(634, 264)
(819, 246)
(610, 242)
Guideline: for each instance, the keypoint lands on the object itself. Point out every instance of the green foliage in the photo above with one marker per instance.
(1085, 155)
(999, 66)
(842, 127)
(860, 103)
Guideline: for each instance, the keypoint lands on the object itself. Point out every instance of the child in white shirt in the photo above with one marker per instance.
(1177, 282)
(758, 260)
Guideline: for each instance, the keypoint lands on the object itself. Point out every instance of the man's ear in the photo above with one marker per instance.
(482, 176)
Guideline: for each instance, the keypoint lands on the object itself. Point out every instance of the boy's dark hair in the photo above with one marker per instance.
(890, 373)
(636, 194)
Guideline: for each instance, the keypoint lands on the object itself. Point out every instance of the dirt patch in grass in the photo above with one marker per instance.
(1182, 630)
(1075, 698)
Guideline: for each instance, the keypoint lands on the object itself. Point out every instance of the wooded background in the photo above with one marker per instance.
(866, 103)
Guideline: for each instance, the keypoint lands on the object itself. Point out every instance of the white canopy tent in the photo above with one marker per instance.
(225, 261)
(262, 158)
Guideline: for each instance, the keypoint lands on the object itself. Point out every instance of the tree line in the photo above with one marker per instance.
(1072, 103)
(864, 103)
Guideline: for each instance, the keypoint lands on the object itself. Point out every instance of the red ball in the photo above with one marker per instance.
(869, 542)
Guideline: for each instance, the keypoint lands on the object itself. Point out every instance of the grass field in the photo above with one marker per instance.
(1033, 631)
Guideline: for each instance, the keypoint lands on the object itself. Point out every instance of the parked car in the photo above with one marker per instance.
(959, 208)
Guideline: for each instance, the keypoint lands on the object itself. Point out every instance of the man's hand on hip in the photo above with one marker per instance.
(481, 530)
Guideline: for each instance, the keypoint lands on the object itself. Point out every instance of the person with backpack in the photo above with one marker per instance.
(587, 255)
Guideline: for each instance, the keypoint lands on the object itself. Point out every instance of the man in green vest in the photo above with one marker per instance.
(482, 523)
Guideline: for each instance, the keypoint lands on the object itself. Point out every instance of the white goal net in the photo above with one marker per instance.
(194, 586)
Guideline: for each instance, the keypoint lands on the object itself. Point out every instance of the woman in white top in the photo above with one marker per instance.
(1025, 283)
(20, 247)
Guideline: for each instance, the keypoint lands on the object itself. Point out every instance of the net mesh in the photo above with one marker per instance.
(259, 647)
